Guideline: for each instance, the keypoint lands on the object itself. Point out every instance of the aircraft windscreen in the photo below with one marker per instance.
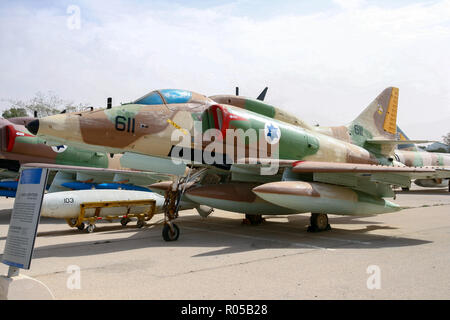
(170, 96)
(153, 98)
(176, 95)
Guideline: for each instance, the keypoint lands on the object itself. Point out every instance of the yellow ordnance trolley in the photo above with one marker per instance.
(125, 218)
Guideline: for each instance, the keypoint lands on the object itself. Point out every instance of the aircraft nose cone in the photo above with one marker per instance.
(33, 126)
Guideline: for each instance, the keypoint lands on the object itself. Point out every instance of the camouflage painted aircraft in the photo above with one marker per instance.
(413, 156)
(249, 157)
(18, 146)
(78, 169)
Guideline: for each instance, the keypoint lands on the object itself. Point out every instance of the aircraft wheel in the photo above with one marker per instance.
(405, 189)
(140, 223)
(124, 221)
(91, 228)
(253, 219)
(81, 226)
(319, 222)
(170, 235)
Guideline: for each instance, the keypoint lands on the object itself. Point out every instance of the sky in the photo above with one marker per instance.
(322, 60)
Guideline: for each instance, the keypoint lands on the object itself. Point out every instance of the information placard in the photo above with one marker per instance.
(25, 218)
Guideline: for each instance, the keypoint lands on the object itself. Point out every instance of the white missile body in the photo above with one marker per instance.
(66, 204)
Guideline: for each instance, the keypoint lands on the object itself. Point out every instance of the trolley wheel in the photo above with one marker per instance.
(91, 228)
(124, 221)
(72, 222)
(168, 235)
(140, 223)
(81, 226)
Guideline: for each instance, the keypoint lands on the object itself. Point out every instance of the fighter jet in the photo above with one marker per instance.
(82, 175)
(413, 156)
(246, 156)
(18, 147)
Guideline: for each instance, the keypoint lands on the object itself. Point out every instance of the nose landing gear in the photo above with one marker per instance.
(173, 196)
(170, 232)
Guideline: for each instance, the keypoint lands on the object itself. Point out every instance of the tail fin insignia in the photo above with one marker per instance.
(390, 120)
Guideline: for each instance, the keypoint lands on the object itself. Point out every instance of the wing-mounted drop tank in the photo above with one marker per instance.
(323, 198)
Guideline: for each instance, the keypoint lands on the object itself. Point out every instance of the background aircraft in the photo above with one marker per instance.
(413, 156)
(316, 172)
(82, 176)
(18, 146)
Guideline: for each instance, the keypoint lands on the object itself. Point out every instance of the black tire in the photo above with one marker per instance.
(167, 233)
(140, 223)
(91, 228)
(319, 222)
(124, 221)
(254, 219)
(405, 189)
(81, 226)
(73, 222)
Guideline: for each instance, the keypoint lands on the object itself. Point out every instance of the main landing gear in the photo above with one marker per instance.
(319, 222)
(253, 219)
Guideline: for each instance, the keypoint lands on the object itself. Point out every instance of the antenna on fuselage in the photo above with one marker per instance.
(237, 91)
(109, 103)
(262, 95)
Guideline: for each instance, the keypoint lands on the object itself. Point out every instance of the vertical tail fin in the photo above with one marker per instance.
(401, 135)
(378, 120)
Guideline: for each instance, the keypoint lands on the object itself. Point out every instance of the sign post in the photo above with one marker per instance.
(24, 220)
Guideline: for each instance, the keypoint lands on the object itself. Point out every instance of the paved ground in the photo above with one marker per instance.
(219, 258)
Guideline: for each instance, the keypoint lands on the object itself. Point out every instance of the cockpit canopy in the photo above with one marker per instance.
(171, 96)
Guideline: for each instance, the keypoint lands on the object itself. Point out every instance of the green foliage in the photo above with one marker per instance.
(46, 104)
(14, 113)
(446, 139)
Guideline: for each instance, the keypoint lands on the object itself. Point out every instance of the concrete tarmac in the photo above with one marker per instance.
(402, 255)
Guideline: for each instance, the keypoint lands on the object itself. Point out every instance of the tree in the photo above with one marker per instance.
(45, 104)
(14, 113)
(446, 139)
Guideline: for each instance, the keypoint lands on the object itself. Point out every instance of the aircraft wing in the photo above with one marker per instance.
(396, 142)
(64, 174)
(396, 175)
(373, 179)
(442, 172)
(336, 167)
